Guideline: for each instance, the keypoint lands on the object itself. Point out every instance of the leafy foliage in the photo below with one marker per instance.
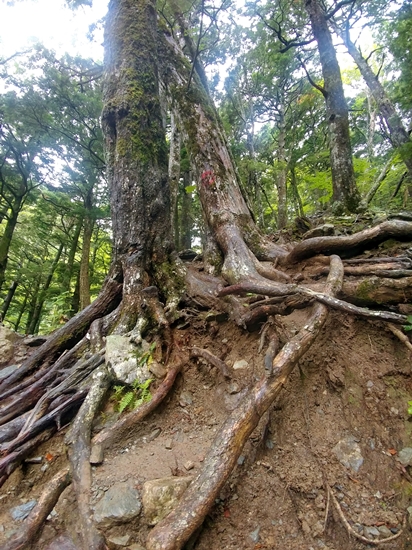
(132, 397)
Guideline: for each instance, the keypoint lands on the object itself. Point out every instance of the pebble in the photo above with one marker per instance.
(185, 399)
(169, 444)
(405, 456)
(18, 513)
(384, 531)
(254, 535)
(120, 541)
(241, 460)
(155, 433)
(189, 465)
(241, 364)
(370, 532)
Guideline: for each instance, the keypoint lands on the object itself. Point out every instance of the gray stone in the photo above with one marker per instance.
(122, 356)
(241, 364)
(119, 541)
(136, 547)
(96, 454)
(323, 230)
(370, 532)
(62, 542)
(348, 453)
(120, 504)
(384, 531)
(405, 456)
(18, 513)
(160, 496)
(254, 535)
(185, 398)
(157, 369)
(34, 341)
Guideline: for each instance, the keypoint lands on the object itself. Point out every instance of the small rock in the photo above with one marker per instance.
(155, 433)
(384, 531)
(241, 460)
(241, 364)
(323, 230)
(18, 513)
(189, 465)
(96, 454)
(62, 542)
(169, 444)
(369, 384)
(233, 387)
(120, 541)
(119, 504)
(34, 341)
(185, 399)
(160, 496)
(405, 456)
(136, 547)
(370, 532)
(348, 453)
(157, 369)
(254, 535)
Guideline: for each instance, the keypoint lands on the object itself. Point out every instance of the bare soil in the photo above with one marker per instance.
(355, 381)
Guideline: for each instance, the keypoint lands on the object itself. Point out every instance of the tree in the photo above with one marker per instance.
(147, 282)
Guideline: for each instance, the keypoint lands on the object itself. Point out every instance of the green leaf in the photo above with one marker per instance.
(190, 188)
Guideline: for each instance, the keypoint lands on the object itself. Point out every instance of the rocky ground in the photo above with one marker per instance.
(328, 468)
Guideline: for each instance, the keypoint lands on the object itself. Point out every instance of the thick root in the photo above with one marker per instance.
(78, 440)
(35, 520)
(174, 530)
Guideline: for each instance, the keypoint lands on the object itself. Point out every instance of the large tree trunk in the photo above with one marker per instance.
(226, 211)
(343, 178)
(136, 151)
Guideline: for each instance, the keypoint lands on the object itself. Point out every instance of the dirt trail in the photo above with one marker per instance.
(347, 401)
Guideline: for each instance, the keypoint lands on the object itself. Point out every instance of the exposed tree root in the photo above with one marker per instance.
(215, 361)
(399, 334)
(174, 530)
(78, 441)
(71, 332)
(276, 290)
(35, 520)
(351, 244)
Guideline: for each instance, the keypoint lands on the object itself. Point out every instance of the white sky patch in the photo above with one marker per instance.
(27, 22)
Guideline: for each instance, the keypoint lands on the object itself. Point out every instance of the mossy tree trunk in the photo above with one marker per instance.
(226, 212)
(136, 151)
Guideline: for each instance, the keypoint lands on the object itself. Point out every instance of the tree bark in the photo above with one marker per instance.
(226, 212)
(345, 193)
(84, 279)
(398, 134)
(136, 153)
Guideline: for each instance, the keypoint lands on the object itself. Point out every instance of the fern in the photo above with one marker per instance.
(126, 401)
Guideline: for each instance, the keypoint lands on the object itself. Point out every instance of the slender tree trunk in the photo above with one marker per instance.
(32, 304)
(8, 299)
(36, 316)
(295, 190)
(399, 136)
(174, 176)
(343, 178)
(84, 263)
(186, 216)
(281, 172)
(21, 313)
(7, 237)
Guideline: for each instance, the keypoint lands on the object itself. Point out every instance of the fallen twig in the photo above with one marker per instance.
(352, 531)
(399, 334)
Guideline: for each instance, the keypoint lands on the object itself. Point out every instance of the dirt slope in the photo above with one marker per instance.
(352, 387)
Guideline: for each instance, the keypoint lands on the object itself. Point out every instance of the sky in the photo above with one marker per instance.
(25, 22)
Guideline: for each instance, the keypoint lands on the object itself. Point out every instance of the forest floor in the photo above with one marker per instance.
(339, 423)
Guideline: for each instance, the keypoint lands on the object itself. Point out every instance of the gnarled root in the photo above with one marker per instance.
(78, 440)
(174, 530)
(35, 520)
